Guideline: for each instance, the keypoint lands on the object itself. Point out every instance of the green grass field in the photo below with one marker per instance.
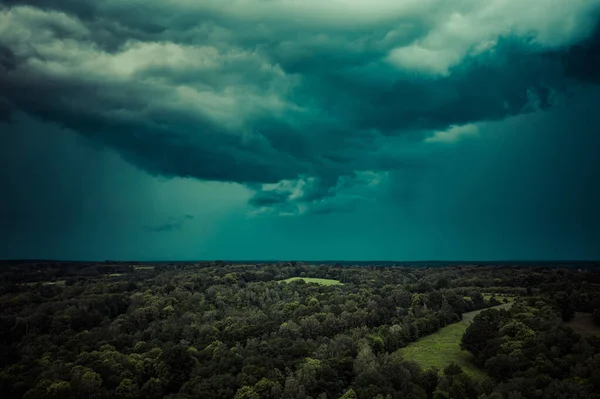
(322, 281)
(443, 347)
(58, 282)
(499, 297)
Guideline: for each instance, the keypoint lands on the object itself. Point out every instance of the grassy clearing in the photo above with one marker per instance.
(58, 282)
(583, 323)
(322, 281)
(116, 274)
(499, 297)
(443, 347)
(143, 267)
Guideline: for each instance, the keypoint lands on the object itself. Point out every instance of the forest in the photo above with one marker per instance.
(292, 330)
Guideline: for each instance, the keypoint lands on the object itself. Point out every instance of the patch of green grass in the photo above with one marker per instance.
(58, 282)
(322, 281)
(499, 297)
(143, 267)
(443, 347)
(116, 274)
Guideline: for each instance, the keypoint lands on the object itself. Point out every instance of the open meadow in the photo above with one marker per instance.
(443, 347)
(322, 281)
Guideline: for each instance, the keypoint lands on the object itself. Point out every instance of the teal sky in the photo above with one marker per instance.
(315, 130)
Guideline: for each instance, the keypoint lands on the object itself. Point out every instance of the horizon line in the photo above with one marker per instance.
(298, 260)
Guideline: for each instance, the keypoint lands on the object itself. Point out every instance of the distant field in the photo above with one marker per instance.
(322, 281)
(443, 347)
(58, 282)
(143, 267)
(583, 324)
(499, 297)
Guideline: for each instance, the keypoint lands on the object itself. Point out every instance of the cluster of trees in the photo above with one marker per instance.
(217, 330)
(528, 350)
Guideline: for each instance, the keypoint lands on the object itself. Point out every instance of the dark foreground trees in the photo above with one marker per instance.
(234, 331)
(527, 349)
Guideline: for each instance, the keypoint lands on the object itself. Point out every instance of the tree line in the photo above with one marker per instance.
(218, 330)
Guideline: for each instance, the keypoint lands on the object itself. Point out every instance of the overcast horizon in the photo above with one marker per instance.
(279, 129)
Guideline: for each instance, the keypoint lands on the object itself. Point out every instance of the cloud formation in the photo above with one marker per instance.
(453, 134)
(302, 102)
(172, 223)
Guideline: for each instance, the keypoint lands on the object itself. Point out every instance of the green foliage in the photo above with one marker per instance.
(350, 394)
(530, 342)
(246, 392)
(127, 389)
(481, 331)
(456, 385)
(152, 389)
(313, 303)
(218, 330)
(452, 369)
(376, 343)
(90, 383)
(494, 301)
(59, 390)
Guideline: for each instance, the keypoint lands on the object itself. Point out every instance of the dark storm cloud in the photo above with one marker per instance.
(5, 110)
(582, 60)
(8, 61)
(268, 198)
(171, 224)
(246, 93)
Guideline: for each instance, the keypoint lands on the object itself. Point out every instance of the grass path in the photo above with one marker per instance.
(443, 347)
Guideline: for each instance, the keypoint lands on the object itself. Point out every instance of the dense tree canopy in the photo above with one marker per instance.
(219, 330)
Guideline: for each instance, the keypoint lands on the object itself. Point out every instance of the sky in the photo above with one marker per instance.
(306, 130)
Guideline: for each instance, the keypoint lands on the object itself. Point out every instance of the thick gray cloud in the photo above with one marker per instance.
(172, 223)
(303, 102)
